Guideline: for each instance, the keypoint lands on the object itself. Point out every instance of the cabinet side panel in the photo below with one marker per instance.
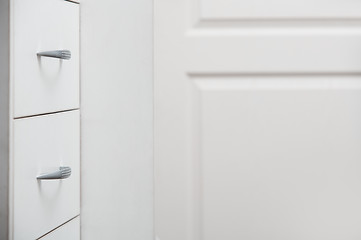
(4, 118)
(116, 120)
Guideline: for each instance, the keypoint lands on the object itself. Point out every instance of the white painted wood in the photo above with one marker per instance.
(257, 128)
(43, 85)
(69, 231)
(43, 144)
(279, 9)
(117, 128)
(35, 87)
(279, 158)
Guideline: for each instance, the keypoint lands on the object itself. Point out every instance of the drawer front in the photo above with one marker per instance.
(69, 231)
(41, 145)
(44, 84)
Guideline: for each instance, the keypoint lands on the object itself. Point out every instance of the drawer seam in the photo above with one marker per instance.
(57, 227)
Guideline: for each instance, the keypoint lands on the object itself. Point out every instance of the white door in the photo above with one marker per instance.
(258, 119)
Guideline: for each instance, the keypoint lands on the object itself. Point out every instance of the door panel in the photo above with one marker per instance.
(257, 123)
(279, 158)
(280, 9)
(227, 52)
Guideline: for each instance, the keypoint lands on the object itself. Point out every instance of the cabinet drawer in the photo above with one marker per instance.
(44, 84)
(69, 231)
(42, 144)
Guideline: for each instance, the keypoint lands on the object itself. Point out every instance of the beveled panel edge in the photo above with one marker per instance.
(197, 21)
(207, 81)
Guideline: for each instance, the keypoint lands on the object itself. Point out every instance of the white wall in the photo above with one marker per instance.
(116, 106)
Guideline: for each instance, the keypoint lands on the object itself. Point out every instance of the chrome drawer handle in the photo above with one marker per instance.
(62, 173)
(62, 54)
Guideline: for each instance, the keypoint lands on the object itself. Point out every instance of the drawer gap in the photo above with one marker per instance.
(42, 114)
(57, 227)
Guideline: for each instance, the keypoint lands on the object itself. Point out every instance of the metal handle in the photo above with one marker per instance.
(62, 173)
(62, 54)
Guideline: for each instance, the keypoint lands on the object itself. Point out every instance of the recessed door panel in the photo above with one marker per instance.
(278, 157)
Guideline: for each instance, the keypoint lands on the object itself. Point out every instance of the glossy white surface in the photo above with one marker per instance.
(42, 84)
(257, 123)
(43, 144)
(117, 129)
(69, 231)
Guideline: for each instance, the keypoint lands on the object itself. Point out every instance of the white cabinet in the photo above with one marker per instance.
(42, 145)
(39, 120)
(45, 84)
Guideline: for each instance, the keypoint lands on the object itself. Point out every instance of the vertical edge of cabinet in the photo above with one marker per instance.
(4, 117)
